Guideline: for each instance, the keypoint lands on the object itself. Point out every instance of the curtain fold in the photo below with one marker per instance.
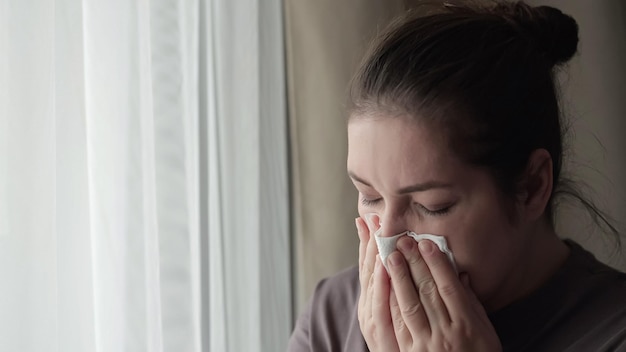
(74, 244)
(143, 189)
(99, 165)
(247, 157)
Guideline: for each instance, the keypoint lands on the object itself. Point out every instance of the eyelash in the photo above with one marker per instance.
(369, 202)
(439, 212)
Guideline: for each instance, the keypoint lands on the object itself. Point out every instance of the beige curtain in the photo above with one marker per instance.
(325, 42)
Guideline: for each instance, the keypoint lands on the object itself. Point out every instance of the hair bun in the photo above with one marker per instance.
(555, 33)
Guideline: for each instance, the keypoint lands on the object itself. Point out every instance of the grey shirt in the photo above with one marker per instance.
(581, 308)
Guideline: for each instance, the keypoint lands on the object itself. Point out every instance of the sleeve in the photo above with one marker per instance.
(329, 322)
(617, 343)
(300, 337)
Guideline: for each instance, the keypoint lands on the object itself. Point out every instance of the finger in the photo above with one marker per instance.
(373, 221)
(435, 309)
(381, 314)
(403, 335)
(363, 233)
(368, 297)
(447, 283)
(366, 267)
(409, 304)
(369, 258)
(475, 303)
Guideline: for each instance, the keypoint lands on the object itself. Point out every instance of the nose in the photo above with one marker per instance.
(393, 219)
(392, 225)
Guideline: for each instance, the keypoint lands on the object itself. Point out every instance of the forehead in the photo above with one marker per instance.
(398, 148)
(396, 137)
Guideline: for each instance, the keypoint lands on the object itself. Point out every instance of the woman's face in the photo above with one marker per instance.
(406, 173)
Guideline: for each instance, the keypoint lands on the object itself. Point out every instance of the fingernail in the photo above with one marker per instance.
(426, 247)
(394, 259)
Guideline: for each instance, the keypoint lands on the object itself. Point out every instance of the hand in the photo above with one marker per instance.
(373, 311)
(421, 305)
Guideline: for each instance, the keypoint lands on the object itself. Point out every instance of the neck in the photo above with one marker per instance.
(541, 258)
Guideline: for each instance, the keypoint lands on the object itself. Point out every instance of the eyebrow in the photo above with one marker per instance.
(419, 187)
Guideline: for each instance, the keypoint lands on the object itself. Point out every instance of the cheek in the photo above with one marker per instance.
(486, 249)
(480, 230)
(480, 234)
(361, 209)
(476, 240)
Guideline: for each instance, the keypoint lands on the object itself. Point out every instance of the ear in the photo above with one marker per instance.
(536, 185)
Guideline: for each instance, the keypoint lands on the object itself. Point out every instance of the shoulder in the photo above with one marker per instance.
(330, 323)
(581, 308)
(334, 306)
(341, 289)
(593, 309)
(589, 272)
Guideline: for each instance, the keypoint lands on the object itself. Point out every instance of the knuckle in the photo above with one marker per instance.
(364, 274)
(399, 274)
(438, 260)
(447, 345)
(415, 259)
(377, 333)
(427, 287)
(466, 331)
(370, 281)
(398, 323)
(411, 310)
(448, 290)
(377, 305)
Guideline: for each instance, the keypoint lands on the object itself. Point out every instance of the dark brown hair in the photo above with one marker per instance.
(483, 71)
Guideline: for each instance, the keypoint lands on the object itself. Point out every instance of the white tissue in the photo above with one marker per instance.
(386, 245)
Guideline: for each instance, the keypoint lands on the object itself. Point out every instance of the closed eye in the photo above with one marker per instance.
(435, 212)
(370, 202)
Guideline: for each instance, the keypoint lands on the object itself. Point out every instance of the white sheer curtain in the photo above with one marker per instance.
(249, 248)
(108, 177)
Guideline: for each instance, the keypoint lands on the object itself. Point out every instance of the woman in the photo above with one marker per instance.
(455, 131)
